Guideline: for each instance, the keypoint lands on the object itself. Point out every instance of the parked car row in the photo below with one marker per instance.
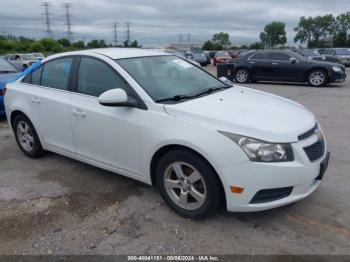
(284, 66)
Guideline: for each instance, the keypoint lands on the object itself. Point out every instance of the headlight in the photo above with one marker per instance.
(337, 69)
(261, 151)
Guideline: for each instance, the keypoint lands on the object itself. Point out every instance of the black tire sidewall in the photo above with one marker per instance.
(37, 150)
(214, 193)
(325, 78)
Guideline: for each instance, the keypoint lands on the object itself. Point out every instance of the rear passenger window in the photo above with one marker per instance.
(95, 77)
(258, 56)
(36, 76)
(279, 56)
(55, 73)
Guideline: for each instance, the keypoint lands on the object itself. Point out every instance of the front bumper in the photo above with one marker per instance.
(302, 175)
(338, 77)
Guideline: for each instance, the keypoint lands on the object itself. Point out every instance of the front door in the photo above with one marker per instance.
(107, 135)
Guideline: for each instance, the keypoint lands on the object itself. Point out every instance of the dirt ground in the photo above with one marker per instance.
(55, 205)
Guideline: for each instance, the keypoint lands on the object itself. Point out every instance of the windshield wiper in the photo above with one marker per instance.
(184, 97)
(174, 98)
(211, 90)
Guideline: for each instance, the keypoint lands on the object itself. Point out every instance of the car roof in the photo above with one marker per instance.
(117, 53)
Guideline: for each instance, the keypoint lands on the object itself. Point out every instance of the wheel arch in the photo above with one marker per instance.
(167, 148)
(17, 112)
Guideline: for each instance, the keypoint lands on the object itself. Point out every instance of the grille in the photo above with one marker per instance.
(269, 195)
(308, 133)
(315, 151)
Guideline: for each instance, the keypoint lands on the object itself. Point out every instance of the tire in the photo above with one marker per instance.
(175, 169)
(242, 75)
(317, 78)
(27, 137)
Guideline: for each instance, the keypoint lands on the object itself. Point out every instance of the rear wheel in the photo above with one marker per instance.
(26, 137)
(242, 75)
(188, 184)
(317, 78)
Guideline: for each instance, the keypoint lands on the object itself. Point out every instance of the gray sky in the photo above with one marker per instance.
(161, 21)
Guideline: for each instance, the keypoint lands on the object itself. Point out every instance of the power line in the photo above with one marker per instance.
(67, 6)
(127, 24)
(47, 15)
(115, 34)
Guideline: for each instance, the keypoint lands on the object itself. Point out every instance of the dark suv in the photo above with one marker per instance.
(285, 66)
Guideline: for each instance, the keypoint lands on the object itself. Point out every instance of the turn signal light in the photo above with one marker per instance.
(237, 190)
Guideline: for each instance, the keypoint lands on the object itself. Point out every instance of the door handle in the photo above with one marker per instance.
(252, 63)
(275, 63)
(35, 99)
(78, 112)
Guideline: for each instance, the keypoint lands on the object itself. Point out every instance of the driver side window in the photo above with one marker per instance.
(96, 77)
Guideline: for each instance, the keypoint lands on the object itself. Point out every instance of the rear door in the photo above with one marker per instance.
(261, 66)
(49, 99)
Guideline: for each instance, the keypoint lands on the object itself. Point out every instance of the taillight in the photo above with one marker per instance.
(3, 91)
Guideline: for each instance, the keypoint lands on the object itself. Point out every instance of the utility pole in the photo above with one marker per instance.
(115, 34)
(127, 24)
(47, 14)
(67, 6)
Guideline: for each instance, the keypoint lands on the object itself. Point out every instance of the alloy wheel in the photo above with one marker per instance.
(242, 76)
(185, 185)
(317, 78)
(25, 136)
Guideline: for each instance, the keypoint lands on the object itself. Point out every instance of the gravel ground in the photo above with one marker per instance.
(55, 205)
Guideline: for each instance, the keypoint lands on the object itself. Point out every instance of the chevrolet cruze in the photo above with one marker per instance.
(160, 119)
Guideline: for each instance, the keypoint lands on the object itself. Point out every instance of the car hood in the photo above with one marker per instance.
(325, 63)
(4, 78)
(247, 112)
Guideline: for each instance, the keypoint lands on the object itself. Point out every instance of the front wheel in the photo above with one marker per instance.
(242, 75)
(317, 78)
(188, 184)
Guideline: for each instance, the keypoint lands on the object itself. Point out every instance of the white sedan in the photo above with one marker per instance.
(157, 118)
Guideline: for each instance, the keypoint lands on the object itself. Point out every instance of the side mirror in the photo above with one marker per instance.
(226, 81)
(117, 98)
(292, 60)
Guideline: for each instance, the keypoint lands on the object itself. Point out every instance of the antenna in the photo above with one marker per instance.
(47, 14)
(115, 34)
(67, 6)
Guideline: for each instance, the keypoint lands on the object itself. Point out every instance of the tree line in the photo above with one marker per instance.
(13, 44)
(314, 32)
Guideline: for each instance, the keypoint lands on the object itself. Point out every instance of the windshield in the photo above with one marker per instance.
(28, 57)
(6, 67)
(343, 51)
(164, 77)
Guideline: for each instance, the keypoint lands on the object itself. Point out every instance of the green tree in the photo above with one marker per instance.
(274, 34)
(256, 45)
(208, 45)
(221, 39)
(64, 42)
(36, 47)
(78, 45)
(135, 44)
(304, 30)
